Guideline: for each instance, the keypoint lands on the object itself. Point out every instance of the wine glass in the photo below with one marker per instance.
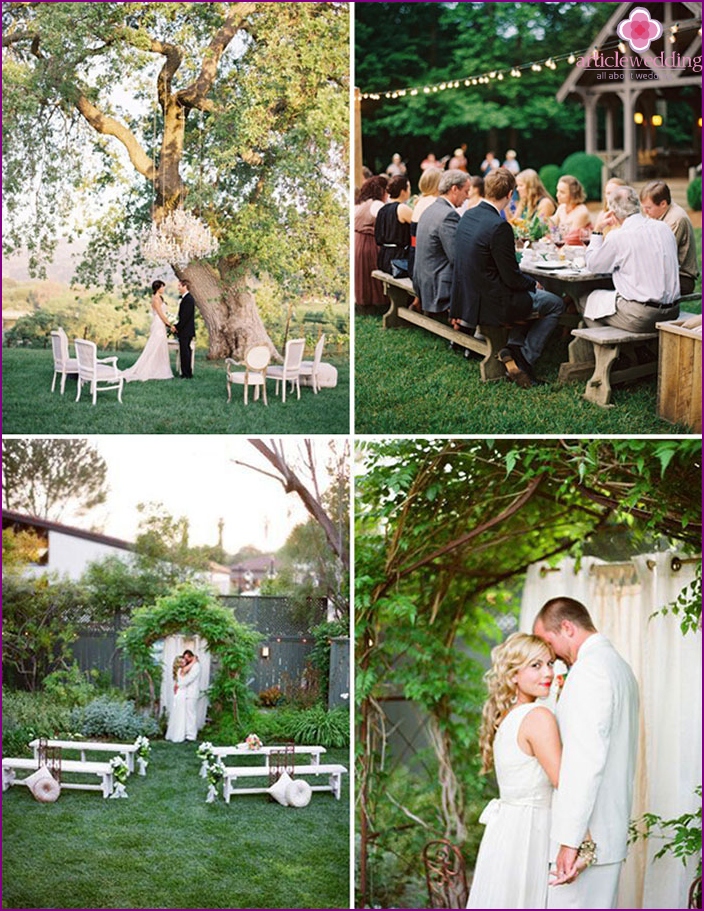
(585, 235)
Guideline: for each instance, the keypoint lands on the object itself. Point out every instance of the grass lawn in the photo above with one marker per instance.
(162, 406)
(408, 381)
(164, 847)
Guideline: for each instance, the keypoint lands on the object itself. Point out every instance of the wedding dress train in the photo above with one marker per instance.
(512, 865)
(154, 362)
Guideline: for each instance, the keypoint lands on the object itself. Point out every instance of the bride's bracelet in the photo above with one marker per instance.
(587, 852)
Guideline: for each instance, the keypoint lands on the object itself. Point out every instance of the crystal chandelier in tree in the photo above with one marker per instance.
(180, 236)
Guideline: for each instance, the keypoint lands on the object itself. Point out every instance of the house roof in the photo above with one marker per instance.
(11, 519)
(579, 78)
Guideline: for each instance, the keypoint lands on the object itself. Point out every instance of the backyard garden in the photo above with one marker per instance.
(174, 842)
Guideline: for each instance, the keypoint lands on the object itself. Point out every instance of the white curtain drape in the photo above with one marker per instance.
(176, 645)
(621, 598)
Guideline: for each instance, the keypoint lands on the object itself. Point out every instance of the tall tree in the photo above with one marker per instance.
(331, 513)
(43, 477)
(407, 45)
(235, 110)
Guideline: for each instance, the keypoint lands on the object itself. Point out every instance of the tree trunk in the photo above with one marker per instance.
(229, 311)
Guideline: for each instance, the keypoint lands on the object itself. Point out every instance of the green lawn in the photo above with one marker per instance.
(162, 406)
(164, 847)
(409, 381)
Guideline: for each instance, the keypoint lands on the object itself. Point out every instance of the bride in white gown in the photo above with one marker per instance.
(183, 724)
(154, 362)
(520, 738)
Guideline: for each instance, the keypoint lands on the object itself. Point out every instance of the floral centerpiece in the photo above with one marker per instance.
(214, 771)
(119, 773)
(143, 750)
(529, 229)
(253, 742)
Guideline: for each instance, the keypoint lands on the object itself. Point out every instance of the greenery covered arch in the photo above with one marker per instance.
(194, 611)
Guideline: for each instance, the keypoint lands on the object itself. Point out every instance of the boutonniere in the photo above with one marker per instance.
(559, 684)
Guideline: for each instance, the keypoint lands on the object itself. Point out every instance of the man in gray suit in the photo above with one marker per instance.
(435, 243)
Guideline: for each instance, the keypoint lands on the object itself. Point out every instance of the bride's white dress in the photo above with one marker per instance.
(513, 861)
(183, 723)
(154, 362)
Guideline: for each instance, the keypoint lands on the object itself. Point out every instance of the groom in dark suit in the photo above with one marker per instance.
(185, 327)
(488, 287)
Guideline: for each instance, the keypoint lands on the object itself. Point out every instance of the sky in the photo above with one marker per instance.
(195, 476)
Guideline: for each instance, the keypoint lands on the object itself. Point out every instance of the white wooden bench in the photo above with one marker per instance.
(334, 771)
(312, 753)
(400, 293)
(595, 352)
(127, 750)
(103, 770)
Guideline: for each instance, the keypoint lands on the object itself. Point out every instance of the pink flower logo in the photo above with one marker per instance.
(639, 30)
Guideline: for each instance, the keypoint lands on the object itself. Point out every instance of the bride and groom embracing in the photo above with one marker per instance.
(154, 362)
(183, 720)
(565, 779)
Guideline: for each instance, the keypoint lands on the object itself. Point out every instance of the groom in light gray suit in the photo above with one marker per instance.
(597, 714)
(435, 243)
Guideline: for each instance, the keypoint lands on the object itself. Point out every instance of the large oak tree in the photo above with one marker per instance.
(237, 111)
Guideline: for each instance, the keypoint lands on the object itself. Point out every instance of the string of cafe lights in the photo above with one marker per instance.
(515, 72)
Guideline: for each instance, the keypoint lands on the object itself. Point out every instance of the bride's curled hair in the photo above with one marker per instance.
(515, 653)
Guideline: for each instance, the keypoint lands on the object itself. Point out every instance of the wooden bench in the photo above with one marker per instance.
(594, 353)
(400, 293)
(127, 750)
(312, 754)
(103, 770)
(334, 771)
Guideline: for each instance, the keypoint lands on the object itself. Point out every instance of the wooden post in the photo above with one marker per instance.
(358, 160)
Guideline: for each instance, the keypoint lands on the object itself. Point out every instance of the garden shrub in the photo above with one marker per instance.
(105, 717)
(587, 169)
(550, 174)
(694, 194)
(318, 725)
(70, 686)
(29, 715)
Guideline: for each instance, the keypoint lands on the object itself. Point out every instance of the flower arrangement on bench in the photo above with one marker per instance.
(253, 742)
(143, 750)
(119, 773)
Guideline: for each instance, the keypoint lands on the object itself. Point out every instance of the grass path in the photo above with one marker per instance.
(164, 847)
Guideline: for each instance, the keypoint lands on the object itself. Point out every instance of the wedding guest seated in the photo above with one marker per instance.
(489, 289)
(435, 243)
(656, 202)
(368, 292)
(642, 259)
(392, 230)
(428, 186)
(572, 216)
(533, 198)
(610, 185)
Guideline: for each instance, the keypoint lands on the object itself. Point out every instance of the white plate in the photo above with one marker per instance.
(552, 264)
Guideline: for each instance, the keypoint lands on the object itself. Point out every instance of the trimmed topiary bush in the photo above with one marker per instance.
(587, 169)
(694, 194)
(112, 719)
(550, 174)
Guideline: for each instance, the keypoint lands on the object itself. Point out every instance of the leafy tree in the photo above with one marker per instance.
(40, 615)
(236, 110)
(35, 329)
(43, 477)
(405, 45)
(441, 524)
